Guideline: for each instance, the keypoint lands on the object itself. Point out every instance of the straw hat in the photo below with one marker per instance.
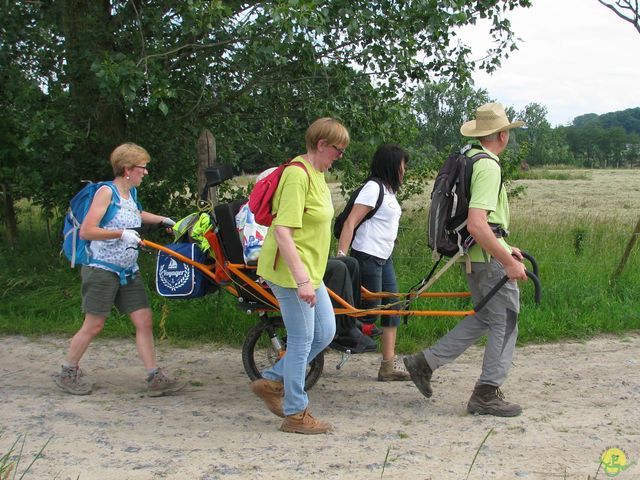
(490, 118)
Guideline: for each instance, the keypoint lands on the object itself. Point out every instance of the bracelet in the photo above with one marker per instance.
(302, 284)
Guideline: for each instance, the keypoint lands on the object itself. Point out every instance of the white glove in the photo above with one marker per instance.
(167, 222)
(130, 237)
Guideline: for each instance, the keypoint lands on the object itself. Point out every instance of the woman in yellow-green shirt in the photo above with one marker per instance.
(293, 261)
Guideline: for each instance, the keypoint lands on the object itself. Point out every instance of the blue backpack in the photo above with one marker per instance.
(75, 248)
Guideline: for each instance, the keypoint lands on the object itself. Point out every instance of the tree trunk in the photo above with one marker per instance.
(10, 220)
(88, 37)
(206, 158)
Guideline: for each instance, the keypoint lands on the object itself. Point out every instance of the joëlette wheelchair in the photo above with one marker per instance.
(266, 342)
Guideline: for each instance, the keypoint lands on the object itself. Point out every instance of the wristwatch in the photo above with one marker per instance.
(341, 254)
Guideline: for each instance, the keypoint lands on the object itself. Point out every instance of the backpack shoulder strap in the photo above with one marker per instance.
(134, 195)
(380, 199)
(302, 166)
(114, 205)
(299, 164)
(481, 155)
(380, 194)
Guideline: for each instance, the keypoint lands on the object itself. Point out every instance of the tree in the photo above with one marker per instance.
(545, 145)
(536, 132)
(254, 73)
(628, 10)
(442, 107)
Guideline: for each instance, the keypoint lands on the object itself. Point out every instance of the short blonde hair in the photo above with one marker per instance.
(328, 129)
(127, 155)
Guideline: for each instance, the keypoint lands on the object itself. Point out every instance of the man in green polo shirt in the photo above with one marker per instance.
(491, 258)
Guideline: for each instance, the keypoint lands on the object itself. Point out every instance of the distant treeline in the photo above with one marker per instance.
(608, 140)
(593, 141)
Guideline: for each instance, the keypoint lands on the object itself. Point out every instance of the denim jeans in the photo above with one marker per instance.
(309, 332)
(378, 275)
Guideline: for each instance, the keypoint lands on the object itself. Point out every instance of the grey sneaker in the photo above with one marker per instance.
(70, 380)
(158, 384)
(489, 400)
(393, 370)
(420, 372)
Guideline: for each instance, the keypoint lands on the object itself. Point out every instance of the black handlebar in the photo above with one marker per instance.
(533, 276)
(534, 264)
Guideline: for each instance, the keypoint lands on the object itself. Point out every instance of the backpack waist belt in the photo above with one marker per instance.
(124, 274)
(498, 231)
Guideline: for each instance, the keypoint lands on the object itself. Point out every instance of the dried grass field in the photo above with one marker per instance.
(597, 194)
(603, 195)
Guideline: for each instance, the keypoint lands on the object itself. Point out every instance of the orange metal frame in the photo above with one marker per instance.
(224, 273)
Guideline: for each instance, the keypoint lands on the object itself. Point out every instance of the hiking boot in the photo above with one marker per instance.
(392, 370)
(158, 384)
(489, 400)
(420, 372)
(304, 423)
(271, 393)
(70, 380)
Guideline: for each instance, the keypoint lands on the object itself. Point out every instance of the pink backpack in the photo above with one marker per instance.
(262, 194)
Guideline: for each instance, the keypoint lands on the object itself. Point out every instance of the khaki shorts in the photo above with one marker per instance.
(101, 290)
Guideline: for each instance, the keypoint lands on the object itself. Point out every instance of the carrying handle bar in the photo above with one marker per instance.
(532, 260)
(534, 278)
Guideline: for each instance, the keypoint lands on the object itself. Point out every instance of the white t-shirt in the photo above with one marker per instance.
(377, 235)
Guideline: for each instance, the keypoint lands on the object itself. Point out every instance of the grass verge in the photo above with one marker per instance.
(41, 294)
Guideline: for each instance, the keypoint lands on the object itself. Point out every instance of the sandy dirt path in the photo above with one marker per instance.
(579, 400)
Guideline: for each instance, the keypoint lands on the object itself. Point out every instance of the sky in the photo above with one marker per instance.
(575, 57)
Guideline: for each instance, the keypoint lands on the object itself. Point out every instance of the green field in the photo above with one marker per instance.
(576, 227)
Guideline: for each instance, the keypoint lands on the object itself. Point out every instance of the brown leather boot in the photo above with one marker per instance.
(271, 393)
(489, 400)
(304, 423)
(420, 372)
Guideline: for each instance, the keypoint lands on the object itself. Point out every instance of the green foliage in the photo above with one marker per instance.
(545, 145)
(549, 174)
(608, 140)
(41, 294)
(9, 467)
(628, 119)
(79, 78)
(441, 108)
(578, 299)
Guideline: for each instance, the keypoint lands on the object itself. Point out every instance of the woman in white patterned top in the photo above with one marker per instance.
(111, 278)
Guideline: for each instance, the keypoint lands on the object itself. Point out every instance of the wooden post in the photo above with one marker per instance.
(627, 251)
(206, 158)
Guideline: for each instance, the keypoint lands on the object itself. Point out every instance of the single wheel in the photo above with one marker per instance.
(265, 343)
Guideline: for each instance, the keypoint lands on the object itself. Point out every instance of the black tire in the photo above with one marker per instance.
(259, 353)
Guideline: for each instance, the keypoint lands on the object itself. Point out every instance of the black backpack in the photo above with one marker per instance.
(340, 219)
(447, 226)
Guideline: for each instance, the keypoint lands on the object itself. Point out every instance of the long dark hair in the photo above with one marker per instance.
(386, 164)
